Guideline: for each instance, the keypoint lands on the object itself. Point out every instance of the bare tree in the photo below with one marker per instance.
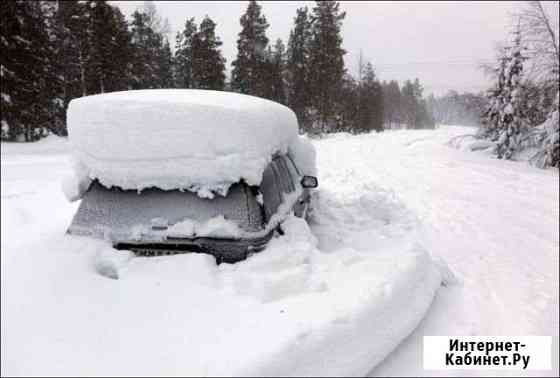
(540, 33)
(489, 68)
(155, 21)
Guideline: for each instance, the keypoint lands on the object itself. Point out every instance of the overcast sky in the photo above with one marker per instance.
(441, 43)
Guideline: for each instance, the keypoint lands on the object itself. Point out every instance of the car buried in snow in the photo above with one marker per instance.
(231, 227)
(140, 206)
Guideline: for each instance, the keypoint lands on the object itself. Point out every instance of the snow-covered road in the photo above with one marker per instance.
(495, 223)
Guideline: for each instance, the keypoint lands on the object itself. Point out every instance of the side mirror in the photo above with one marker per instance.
(309, 182)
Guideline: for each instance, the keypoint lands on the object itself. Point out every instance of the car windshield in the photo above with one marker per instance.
(119, 214)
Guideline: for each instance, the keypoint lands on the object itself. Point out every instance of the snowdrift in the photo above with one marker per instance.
(198, 140)
(298, 308)
(290, 311)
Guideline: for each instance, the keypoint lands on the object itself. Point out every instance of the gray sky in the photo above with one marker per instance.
(441, 43)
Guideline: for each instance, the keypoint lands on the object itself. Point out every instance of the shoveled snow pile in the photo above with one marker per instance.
(197, 140)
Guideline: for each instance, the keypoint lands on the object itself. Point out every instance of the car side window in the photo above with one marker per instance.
(278, 178)
(294, 171)
(271, 195)
(287, 181)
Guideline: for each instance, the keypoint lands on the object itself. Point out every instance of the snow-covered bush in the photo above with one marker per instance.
(548, 133)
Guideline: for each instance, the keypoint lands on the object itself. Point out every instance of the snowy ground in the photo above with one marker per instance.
(337, 304)
(496, 223)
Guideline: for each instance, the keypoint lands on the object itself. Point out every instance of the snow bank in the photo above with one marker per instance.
(293, 310)
(198, 140)
(350, 308)
(469, 142)
(47, 147)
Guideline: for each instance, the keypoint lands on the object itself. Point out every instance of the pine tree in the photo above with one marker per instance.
(378, 107)
(151, 66)
(496, 99)
(392, 104)
(208, 64)
(418, 116)
(249, 68)
(96, 48)
(53, 85)
(551, 143)
(326, 61)
(512, 124)
(415, 113)
(183, 55)
(548, 133)
(347, 106)
(73, 40)
(110, 54)
(277, 65)
(145, 48)
(69, 42)
(159, 51)
(120, 65)
(142, 66)
(422, 117)
(25, 70)
(92, 47)
(297, 67)
(165, 66)
(504, 120)
(100, 45)
(370, 107)
(408, 105)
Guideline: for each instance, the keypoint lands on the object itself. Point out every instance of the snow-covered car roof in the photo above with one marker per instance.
(198, 140)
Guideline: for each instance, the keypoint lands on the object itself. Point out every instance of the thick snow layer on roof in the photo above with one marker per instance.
(177, 138)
